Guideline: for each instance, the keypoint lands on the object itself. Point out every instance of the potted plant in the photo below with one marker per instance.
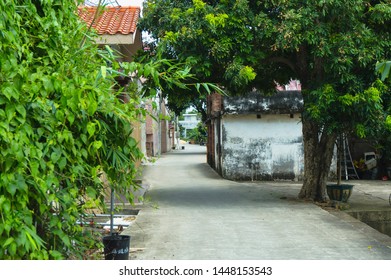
(116, 247)
(339, 192)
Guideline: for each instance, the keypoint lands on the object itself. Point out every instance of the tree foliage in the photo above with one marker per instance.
(197, 134)
(180, 95)
(330, 46)
(192, 33)
(245, 44)
(384, 69)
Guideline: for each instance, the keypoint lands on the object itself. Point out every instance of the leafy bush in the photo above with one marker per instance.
(61, 127)
(198, 134)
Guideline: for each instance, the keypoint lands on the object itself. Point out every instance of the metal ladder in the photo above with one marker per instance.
(348, 169)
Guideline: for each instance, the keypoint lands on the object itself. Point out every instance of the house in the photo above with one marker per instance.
(190, 121)
(116, 26)
(256, 137)
(160, 134)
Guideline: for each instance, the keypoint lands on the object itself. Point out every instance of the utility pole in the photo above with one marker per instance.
(159, 118)
(177, 132)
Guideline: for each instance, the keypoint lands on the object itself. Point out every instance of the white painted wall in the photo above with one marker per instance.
(190, 121)
(266, 148)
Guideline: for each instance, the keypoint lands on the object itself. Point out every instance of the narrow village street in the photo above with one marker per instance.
(191, 213)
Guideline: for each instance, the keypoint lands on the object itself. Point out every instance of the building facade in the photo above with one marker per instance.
(116, 26)
(256, 137)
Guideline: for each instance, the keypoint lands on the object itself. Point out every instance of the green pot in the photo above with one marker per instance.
(339, 192)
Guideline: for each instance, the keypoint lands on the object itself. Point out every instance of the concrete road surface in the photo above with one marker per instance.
(191, 213)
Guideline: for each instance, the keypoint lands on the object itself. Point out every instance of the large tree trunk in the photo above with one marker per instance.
(318, 153)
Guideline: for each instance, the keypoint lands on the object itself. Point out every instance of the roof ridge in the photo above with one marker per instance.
(110, 7)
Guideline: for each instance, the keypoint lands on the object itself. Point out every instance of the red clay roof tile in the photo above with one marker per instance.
(112, 20)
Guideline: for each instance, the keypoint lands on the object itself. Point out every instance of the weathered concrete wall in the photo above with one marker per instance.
(262, 147)
(217, 147)
(283, 102)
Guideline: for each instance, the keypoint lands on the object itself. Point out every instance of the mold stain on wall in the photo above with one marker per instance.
(269, 148)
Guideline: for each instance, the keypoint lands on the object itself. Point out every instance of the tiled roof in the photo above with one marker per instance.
(112, 20)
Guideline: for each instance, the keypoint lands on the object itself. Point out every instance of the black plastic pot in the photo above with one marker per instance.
(116, 247)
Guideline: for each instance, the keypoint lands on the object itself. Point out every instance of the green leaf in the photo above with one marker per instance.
(92, 106)
(8, 241)
(384, 68)
(34, 238)
(55, 156)
(34, 168)
(97, 144)
(84, 153)
(62, 163)
(147, 71)
(83, 138)
(388, 122)
(47, 83)
(32, 242)
(91, 129)
(206, 87)
(60, 115)
(10, 111)
(66, 240)
(12, 188)
(10, 92)
(12, 249)
(71, 118)
(103, 71)
(155, 76)
(2, 200)
(6, 205)
(21, 110)
(56, 254)
(91, 192)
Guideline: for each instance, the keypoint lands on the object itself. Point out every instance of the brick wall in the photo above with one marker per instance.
(214, 107)
(215, 102)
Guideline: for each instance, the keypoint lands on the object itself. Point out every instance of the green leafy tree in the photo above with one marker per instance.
(330, 46)
(63, 125)
(198, 134)
(381, 135)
